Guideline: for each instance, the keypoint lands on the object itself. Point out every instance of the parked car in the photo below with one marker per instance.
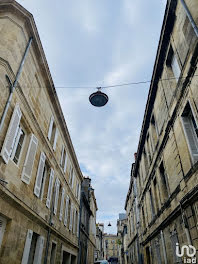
(101, 262)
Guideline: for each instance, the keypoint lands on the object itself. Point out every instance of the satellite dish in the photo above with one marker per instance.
(98, 98)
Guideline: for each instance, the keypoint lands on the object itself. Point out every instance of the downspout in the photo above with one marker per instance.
(13, 86)
(190, 17)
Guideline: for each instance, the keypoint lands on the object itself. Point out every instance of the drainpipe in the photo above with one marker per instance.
(12, 86)
(190, 17)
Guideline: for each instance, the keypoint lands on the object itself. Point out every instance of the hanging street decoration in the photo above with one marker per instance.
(98, 98)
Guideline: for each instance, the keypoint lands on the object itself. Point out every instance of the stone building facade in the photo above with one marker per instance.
(87, 238)
(122, 238)
(40, 178)
(99, 251)
(165, 171)
(111, 249)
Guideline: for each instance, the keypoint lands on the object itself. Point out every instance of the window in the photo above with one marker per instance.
(2, 228)
(11, 134)
(172, 63)
(67, 206)
(42, 172)
(53, 253)
(56, 197)
(175, 67)
(53, 133)
(71, 217)
(164, 181)
(174, 241)
(156, 198)
(62, 204)
(71, 176)
(191, 131)
(19, 140)
(63, 160)
(151, 202)
(33, 249)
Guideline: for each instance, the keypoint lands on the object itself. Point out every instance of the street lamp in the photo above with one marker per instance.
(98, 98)
(109, 224)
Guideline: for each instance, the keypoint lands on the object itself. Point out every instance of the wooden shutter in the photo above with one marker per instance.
(29, 160)
(2, 228)
(73, 178)
(39, 250)
(11, 134)
(50, 127)
(26, 250)
(37, 186)
(55, 139)
(78, 223)
(191, 137)
(71, 217)
(65, 165)
(74, 221)
(49, 193)
(62, 204)
(79, 192)
(174, 240)
(62, 154)
(66, 210)
(57, 186)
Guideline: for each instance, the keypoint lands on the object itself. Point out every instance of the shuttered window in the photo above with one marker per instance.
(33, 249)
(175, 67)
(63, 160)
(50, 127)
(49, 193)
(191, 131)
(40, 174)
(77, 231)
(70, 174)
(29, 160)
(2, 228)
(18, 144)
(53, 133)
(57, 187)
(11, 134)
(66, 211)
(71, 217)
(62, 204)
(174, 241)
(73, 179)
(39, 250)
(55, 138)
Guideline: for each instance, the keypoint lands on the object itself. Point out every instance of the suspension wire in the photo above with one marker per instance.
(110, 86)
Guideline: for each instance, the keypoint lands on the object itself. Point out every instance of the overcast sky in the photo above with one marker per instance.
(98, 43)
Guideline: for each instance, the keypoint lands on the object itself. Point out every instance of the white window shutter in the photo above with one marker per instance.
(29, 160)
(79, 192)
(78, 223)
(2, 228)
(62, 204)
(11, 134)
(65, 165)
(62, 153)
(39, 250)
(66, 210)
(74, 221)
(26, 250)
(37, 186)
(73, 179)
(49, 192)
(191, 137)
(57, 186)
(50, 127)
(71, 217)
(55, 139)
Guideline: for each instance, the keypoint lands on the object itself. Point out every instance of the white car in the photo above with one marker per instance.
(101, 262)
